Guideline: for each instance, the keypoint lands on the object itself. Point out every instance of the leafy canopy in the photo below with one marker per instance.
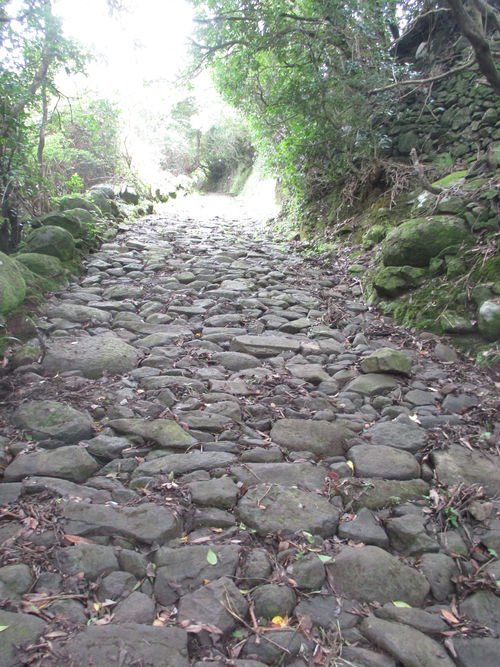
(300, 70)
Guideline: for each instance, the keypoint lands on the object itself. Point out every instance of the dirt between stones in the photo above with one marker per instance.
(266, 471)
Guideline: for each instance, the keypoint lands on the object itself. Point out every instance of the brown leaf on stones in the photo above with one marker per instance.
(76, 539)
(449, 617)
(196, 628)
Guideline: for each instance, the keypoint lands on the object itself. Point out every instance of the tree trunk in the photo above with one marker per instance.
(479, 42)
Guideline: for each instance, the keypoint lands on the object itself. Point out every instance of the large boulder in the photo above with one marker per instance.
(64, 220)
(83, 216)
(108, 190)
(51, 240)
(103, 202)
(12, 284)
(43, 265)
(416, 241)
(69, 202)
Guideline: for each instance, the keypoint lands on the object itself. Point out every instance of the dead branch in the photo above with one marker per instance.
(420, 172)
(421, 82)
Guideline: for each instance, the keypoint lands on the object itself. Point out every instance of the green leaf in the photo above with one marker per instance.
(237, 634)
(212, 557)
(399, 603)
(308, 536)
(3, 627)
(324, 558)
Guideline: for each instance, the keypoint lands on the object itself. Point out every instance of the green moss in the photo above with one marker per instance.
(12, 284)
(425, 307)
(489, 271)
(68, 202)
(451, 179)
(391, 281)
(43, 265)
(36, 285)
(416, 241)
(374, 235)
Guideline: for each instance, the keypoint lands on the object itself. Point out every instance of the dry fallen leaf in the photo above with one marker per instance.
(448, 616)
(76, 539)
(196, 628)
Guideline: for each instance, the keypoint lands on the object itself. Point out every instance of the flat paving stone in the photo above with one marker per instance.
(275, 509)
(71, 462)
(264, 346)
(92, 355)
(458, 464)
(164, 432)
(50, 419)
(304, 475)
(409, 646)
(372, 384)
(408, 437)
(184, 463)
(18, 629)
(322, 438)
(145, 523)
(370, 574)
(383, 462)
(126, 644)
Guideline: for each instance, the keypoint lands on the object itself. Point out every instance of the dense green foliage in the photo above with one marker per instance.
(49, 145)
(210, 152)
(301, 71)
(33, 51)
(305, 74)
(81, 145)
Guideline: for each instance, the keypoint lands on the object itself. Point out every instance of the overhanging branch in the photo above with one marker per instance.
(421, 82)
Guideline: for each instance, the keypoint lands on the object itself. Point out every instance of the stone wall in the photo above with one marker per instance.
(458, 116)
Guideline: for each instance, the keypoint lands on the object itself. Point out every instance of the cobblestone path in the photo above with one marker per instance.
(215, 453)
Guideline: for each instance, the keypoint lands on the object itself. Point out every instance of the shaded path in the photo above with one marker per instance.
(214, 434)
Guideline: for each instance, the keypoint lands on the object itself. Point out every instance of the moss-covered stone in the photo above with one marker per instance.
(374, 235)
(50, 240)
(102, 201)
(69, 202)
(452, 179)
(43, 265)
(454, 322)
(82, 215)
(12, 284)
(416, 241)
(36, 284)
(489, 271)
(64, 220)
(391, 281)
(489, 319)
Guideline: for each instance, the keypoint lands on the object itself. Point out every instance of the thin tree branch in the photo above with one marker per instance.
(420, 82)
(420, 173)
(489, 13)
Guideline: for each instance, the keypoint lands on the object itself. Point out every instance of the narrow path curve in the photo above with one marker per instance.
(217, 454)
